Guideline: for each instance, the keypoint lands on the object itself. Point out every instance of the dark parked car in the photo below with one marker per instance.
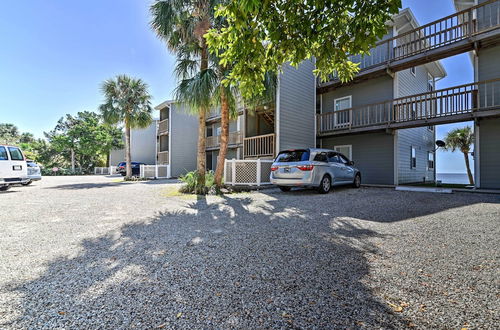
(136, 168)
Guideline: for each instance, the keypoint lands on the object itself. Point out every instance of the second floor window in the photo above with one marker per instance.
(413, 159)
(413, 71)
(430, 82)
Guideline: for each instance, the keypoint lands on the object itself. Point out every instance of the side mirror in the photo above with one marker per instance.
(351, 163)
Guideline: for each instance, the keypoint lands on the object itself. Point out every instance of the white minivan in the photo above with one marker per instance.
(13, 168)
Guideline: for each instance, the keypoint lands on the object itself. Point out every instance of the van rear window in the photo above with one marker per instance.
(293, 156)
(15, 154)
(3, 154)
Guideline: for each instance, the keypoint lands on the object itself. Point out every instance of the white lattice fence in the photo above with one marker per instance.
(247, 172)
(155, 171)
(101, 170)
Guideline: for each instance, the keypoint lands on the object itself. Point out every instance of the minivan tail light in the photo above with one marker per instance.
(274, 168)
(305, 167)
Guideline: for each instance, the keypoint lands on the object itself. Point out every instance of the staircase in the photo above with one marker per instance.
(268, 117)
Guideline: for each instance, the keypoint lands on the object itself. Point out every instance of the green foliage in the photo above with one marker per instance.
(192, 186)
(127, 101)
(259, 36)
(88, 136)
(60, 171)
(459, 138)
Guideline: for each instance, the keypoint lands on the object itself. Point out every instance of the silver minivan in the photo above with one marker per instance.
(13, 169)
(315, 168)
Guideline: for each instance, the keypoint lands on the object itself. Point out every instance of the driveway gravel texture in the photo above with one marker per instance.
(92, 252)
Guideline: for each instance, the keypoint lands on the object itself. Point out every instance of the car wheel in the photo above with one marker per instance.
(4, 188)
(123, 174)
(285, 189)
(27, 183)
(357, 181)
(325, 185)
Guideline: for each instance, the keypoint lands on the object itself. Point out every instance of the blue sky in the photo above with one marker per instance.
(55, 60)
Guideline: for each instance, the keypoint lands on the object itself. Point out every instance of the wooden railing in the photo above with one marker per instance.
(259, 146)
(163, 127)
(163, 157)
(451, 101)
(214, 141)
(442, 32)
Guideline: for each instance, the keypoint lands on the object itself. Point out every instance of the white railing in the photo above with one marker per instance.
(247, 172)
(105, 170)
(154, 171)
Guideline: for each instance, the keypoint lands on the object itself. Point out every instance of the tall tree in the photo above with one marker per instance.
(9, 133)
(461, 139)
(182, 25)
(127, 101)
(260, 36)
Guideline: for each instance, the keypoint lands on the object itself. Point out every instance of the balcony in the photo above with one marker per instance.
(448, 36)
(163, 157)
(454, 104)
(213, 142)
(259, 146)
(163, 127)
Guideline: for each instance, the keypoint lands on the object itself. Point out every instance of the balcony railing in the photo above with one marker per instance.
(441, 103)
(163, 157)
(214, 141)
(259, 146)
(442, 32)
(163, 127)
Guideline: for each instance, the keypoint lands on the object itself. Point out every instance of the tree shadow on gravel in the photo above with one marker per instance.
(98, 185)
(231, 262)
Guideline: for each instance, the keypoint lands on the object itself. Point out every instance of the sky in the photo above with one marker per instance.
(56, 54)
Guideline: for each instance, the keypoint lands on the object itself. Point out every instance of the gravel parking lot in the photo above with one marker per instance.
(92, 252)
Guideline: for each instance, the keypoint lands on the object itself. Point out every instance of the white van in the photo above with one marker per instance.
(13, 168)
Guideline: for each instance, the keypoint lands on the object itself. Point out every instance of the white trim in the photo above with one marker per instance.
(477, 157)
(170, 118)
(277, 115)
(345, 146)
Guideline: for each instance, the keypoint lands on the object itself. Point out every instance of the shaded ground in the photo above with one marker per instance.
(93, 252)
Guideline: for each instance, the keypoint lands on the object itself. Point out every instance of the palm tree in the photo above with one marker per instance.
(127, 101)
(182, 24)
(461, 139)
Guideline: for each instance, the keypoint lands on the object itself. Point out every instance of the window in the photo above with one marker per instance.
(15, 154)
(430, 160)
(321, 157)
(413, 161)
(293, 156)
(413, 71)
(343, 118)
(3, 154)
(345, 150)
(209, 131)
(333, 157)
(218, 131)
(343, 160)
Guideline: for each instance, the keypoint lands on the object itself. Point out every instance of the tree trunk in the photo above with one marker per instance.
(224, 138)
(72, 159)
(467, 165)
(202, 140)
(127, 150)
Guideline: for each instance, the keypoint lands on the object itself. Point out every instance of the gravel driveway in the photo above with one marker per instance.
(91, 252)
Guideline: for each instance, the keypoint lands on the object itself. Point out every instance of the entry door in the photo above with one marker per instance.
(342, 118)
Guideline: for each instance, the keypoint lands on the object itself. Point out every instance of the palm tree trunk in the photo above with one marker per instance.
(202, 140)
(467, 165)
(224, 138)
(127, 150)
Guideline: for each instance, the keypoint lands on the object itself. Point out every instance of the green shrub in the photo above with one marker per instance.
(192, 183)
(61, 171)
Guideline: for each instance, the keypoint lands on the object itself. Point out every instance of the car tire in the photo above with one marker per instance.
(123, 174)
(357, 181)
(285, 189)
(4, 188)
(325, 185)
(27, 183)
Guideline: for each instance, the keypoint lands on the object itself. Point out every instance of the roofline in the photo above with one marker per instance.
(164, 104)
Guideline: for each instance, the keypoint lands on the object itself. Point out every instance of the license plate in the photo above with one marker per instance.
(286, 169)
(17, 167)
